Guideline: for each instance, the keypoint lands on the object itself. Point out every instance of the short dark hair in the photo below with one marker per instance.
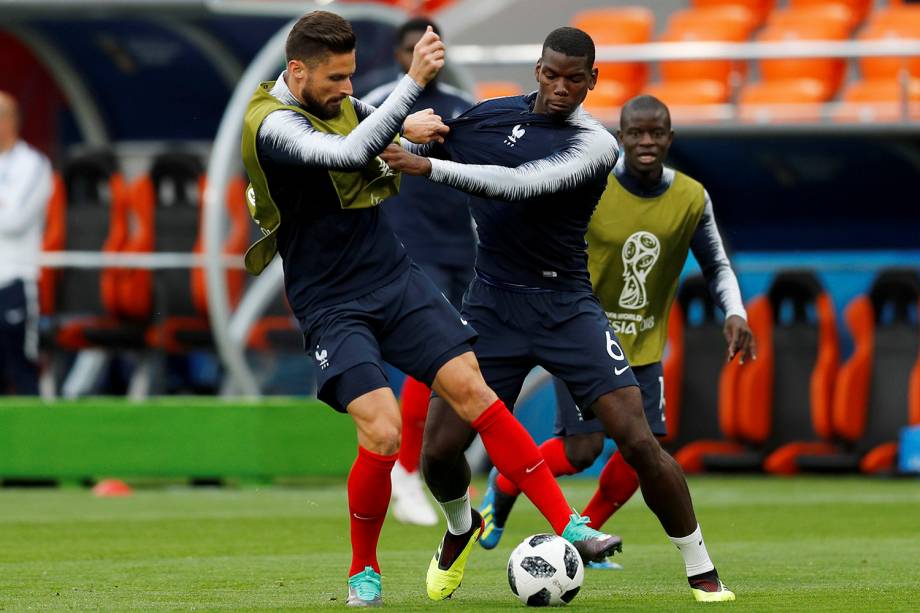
(644, 103)
(571, 42)
(416, 24)
(318, 34)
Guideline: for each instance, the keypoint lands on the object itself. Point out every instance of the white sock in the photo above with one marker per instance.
(459, 514)
(692, 547)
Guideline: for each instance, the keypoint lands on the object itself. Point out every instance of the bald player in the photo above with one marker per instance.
(25, 186)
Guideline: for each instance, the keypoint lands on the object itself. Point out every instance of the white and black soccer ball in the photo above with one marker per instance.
(545, 570)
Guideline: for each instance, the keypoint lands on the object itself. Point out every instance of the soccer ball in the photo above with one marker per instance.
(545, 570)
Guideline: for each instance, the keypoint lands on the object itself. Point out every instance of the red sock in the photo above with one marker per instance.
(368, 498)
(414, 398)
(514, 452)
(553, 451)
(617, 484)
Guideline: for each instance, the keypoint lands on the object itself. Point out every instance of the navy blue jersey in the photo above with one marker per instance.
(432, 220)
(537, 179)
(330, 255)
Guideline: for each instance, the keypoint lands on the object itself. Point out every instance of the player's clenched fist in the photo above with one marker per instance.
(428, 58)
(424, 126)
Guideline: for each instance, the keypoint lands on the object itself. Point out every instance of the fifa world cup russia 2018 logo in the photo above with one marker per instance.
(640, 253)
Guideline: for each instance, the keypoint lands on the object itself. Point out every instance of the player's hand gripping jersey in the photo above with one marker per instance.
(538, 180)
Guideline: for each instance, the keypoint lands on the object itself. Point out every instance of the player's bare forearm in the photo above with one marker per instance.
(425, 127)
(400, 160)
(740, 339)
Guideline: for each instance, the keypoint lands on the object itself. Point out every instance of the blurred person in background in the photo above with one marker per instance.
(646, 222)
(25, 186)
(433, 222)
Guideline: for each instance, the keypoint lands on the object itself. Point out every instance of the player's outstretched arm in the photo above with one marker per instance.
(289, 137)
(709, 251)
(592, 153)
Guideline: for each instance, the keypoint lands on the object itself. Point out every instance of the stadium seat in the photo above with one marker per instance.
(795, 89)
(699, 334)
(890, 86)
(858, 8)
(617, 81)
(709, 81)
(805, 341)
(497, 89)
(777, 407)
(872, 399)
(721, 435)
(180, 320)
(54, 239)
(758, 8)
(673, 367)
(85, 309)
(277, 330)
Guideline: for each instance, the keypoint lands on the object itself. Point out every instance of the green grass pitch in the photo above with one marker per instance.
(839, 544)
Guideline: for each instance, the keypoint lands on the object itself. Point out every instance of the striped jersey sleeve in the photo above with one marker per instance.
(592, 151)
(709, 251)
(289, 137)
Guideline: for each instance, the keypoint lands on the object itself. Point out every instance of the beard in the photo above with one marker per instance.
(328, 110)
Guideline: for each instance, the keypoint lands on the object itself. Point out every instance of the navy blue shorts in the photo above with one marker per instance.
(451, 280)
(567, 333)
(407, 323)
(651, 383)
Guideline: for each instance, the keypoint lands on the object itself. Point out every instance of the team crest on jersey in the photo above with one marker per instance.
(640, 253)
(517, 133)
(322, 357)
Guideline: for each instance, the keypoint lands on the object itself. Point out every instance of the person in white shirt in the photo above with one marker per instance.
(25, 186)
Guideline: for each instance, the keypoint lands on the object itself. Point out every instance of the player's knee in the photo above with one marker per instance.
(642, 453)
(383, 437)
(470, 394)
(582, 450)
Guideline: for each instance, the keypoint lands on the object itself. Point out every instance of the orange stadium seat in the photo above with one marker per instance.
(758, 8)
(180, 320)
(795, 89)
(673, 367)
(806, 338)
(86, 310)
(890, 86)
(617, 81)
(691, 83)
(497, 89)
(742, 391)
(54, 239)
(858, 8)
(869, 407)
(694, 329)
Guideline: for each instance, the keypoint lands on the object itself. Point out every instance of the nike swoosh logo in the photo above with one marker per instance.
(362, 518)
(619, 371)
(533, 468)
(464, 322)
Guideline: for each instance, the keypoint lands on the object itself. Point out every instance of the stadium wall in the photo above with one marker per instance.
(173, 438)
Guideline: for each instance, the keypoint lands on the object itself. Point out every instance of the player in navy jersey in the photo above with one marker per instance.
(311, 153)
(433, 222)
(539, 165)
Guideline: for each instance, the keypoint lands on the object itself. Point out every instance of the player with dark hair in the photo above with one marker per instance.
(433, 222)
(540, 164)
(648, 219)
(311, 152)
